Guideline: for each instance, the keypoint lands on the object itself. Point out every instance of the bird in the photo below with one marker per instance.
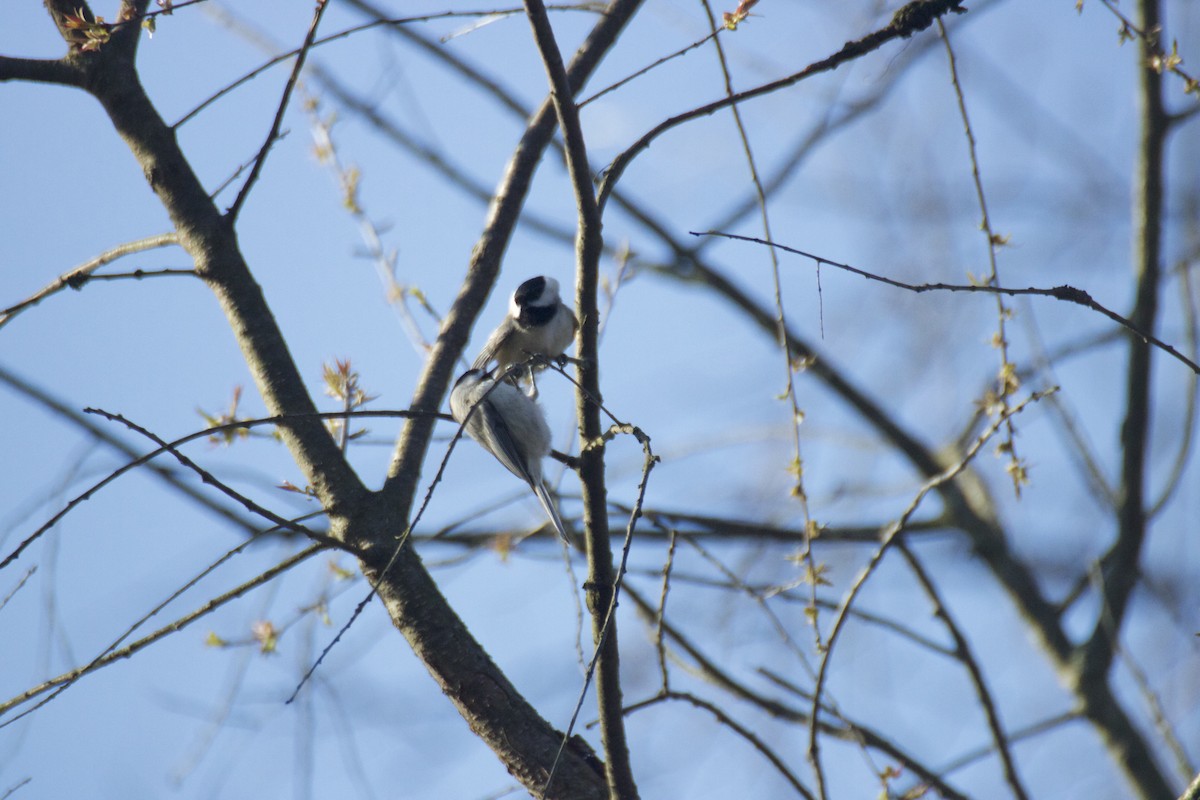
(510, 426)
(537, 323)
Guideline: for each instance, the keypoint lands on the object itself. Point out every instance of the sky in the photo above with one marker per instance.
(1049, 92)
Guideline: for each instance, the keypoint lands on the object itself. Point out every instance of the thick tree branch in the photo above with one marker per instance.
(488, 701)
(1119, 568)
(40, 70)
(213, 246)
(485, 698)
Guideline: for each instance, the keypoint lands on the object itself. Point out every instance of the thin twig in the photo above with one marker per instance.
(660, 647)
(170, 446)
(1029, 731)
(1064, 292)
(1158, 59)
(910, 19)
(77, 277)
(736, 727)
(1006, 382)
(10, 791)
(850, 731)
(656, 63)
(209, 479)
(1162, 724)
(1185, 430)
(965, 656)
(342, 34)
(28, 574)
(649, 460)
(232, 214)
(887, 538)
(66, 679)
(796, 468)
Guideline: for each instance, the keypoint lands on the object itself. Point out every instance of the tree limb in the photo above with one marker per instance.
(600, 586)
(914, 17)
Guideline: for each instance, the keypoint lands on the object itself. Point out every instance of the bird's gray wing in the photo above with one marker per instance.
(501, 442)
(496, 341)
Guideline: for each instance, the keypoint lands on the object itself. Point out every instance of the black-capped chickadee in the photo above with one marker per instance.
(537, 323)
(510, 426)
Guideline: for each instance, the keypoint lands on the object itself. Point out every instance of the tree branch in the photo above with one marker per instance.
(850, 731)
(1065, 293)
(40, 70)
(64, 411)
(600, 586)
(965, 656)
(111, 655)
(483, 695)
(914, 17)
(212, 243)
(741, 730)
(260, 159)
(76, 278)
(1119, 570)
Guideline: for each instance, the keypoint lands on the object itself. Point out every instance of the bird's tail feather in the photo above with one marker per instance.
(547, 502)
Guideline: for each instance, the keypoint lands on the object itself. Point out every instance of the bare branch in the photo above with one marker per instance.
(1006, 380)
(232, 214)
(964, 654)
(895, 530)
(848, 732)
(109, 656)
(607, 626)
(910, 19)
(602, 587)
(79, 276)
(21, 582)
(736, 727)
(59, 407)
(1066, 293)
(40, 70)
(1192, 792)
(1119, 565)
(173, 446)
(209, 479)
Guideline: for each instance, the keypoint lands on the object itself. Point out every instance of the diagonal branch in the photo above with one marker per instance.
(64, 681)
(910, 19)
(849, 731)
(260, 159)
(209, 479)
(59, 407)
(1065, 293)
(741, 730)
(77, 277)
(964, 654)
(891, 535)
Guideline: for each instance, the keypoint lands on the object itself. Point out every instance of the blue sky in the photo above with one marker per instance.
(1050, 97)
